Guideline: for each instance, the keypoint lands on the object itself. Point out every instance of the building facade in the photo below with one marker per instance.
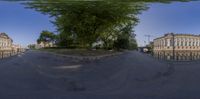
(5, 42)
(17, 48)
(177, 47)
(44, 45)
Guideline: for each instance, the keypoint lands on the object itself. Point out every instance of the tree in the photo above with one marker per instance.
(83, 22)
(31, 46)
(123, 37)
(46, 37)
(133, 44)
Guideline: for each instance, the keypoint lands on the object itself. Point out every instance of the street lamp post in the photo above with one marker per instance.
(173, 46)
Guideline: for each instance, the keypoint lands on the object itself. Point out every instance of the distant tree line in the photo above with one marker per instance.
(82, 23)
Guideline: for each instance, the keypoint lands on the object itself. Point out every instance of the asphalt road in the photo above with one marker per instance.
(132, 75)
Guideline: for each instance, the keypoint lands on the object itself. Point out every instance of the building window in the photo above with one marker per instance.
(178, 43)
(182, 43)
(199, 43)
(186, 43)
(166, 42)
(171, 42)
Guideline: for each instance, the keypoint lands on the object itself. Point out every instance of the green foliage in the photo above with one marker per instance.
(132, 44)
(80, 23)
(46, 36)
(125, 38)
(83, 23)
(31, 46)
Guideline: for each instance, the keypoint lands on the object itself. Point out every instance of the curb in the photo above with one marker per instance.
(89, 58)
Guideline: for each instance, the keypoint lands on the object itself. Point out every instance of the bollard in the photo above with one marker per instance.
(2, 54)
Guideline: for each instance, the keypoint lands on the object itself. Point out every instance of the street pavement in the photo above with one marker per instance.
(131, 75)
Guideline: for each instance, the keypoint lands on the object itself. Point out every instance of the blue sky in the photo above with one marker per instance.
(165, 18)
(25, 25)
(22, 25)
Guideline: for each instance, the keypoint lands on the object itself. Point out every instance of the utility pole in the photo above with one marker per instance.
(148, 37)
(145, 43)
